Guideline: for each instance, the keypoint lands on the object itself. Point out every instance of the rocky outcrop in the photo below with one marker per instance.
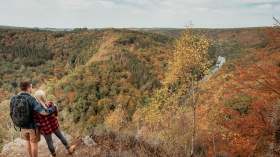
(20, 142)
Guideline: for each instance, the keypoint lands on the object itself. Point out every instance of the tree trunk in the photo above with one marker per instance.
(193, 125)
(276, 149)
(213, 140)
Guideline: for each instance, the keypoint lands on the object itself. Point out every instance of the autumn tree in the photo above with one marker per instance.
(190, 64)
(276, 150)
(264, 77)
(251, 99)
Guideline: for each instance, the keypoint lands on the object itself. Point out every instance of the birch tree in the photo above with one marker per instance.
(190, 64)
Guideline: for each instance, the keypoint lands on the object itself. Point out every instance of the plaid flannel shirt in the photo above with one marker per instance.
(49, 123)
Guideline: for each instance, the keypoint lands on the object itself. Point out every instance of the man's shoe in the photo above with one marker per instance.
(71, 149)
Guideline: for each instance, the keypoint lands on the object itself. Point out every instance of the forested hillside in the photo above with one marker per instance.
(236, 110)
(88, 73)
(230, 41)
(120, 80)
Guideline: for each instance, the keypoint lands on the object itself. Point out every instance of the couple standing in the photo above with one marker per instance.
(43, 121)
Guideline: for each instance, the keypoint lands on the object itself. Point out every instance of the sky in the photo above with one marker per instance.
(138, 13)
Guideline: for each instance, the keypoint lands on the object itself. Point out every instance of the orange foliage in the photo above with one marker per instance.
(241, 117)
(7, 76)
(71, 96)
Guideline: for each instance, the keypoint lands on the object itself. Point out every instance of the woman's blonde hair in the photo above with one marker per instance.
(40, 96)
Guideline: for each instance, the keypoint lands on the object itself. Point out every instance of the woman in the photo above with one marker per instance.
(49, 124)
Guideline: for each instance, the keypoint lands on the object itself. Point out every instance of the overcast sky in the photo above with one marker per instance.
(138, 13)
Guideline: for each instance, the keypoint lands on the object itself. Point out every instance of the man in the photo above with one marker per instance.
(30, 132)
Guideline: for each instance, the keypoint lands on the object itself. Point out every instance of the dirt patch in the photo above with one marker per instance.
(104, 49)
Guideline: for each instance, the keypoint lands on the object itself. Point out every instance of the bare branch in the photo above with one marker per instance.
(276, 22)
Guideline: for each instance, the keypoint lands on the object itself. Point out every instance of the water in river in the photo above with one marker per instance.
(221, 60)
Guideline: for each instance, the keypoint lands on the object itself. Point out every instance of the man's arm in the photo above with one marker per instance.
(39, 108)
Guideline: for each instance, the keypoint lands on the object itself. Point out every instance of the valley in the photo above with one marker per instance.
(113, 81)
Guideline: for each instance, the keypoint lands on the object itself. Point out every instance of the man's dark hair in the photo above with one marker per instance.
(24, 85)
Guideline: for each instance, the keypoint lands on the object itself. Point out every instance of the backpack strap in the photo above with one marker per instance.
(30, 109)
(31, 112)
(12, 107)
(15, 97)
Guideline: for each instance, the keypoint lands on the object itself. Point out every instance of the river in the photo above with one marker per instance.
(221, 61)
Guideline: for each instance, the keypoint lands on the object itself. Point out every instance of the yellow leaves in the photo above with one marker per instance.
(169, 115)
(88, 71)
(116, 120)
(190, 58)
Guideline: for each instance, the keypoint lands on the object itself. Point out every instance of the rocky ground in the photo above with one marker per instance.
(83, 148)
(102, 145)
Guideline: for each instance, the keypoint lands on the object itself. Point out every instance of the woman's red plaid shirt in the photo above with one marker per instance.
(49, 123)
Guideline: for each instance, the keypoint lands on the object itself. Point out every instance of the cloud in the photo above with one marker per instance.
(201, 10)
(140, 2)
(257, 1)
(260, 9)
(138, 13)
(222, 12)
(24, 3)
(277, 8)
(264, 6)
(107, 4)
(72, 4)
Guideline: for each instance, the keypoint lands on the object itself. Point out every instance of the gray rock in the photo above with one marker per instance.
(6, 147)
(89, 141)
(19, 142)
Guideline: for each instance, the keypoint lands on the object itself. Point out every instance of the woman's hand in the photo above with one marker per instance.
(38, 124)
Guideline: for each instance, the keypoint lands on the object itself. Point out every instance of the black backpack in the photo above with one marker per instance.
(20, 112)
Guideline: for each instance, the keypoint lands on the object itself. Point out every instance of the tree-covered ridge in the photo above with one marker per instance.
(123, 75)
(42, 55)
(89, 73)
(229, 41)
